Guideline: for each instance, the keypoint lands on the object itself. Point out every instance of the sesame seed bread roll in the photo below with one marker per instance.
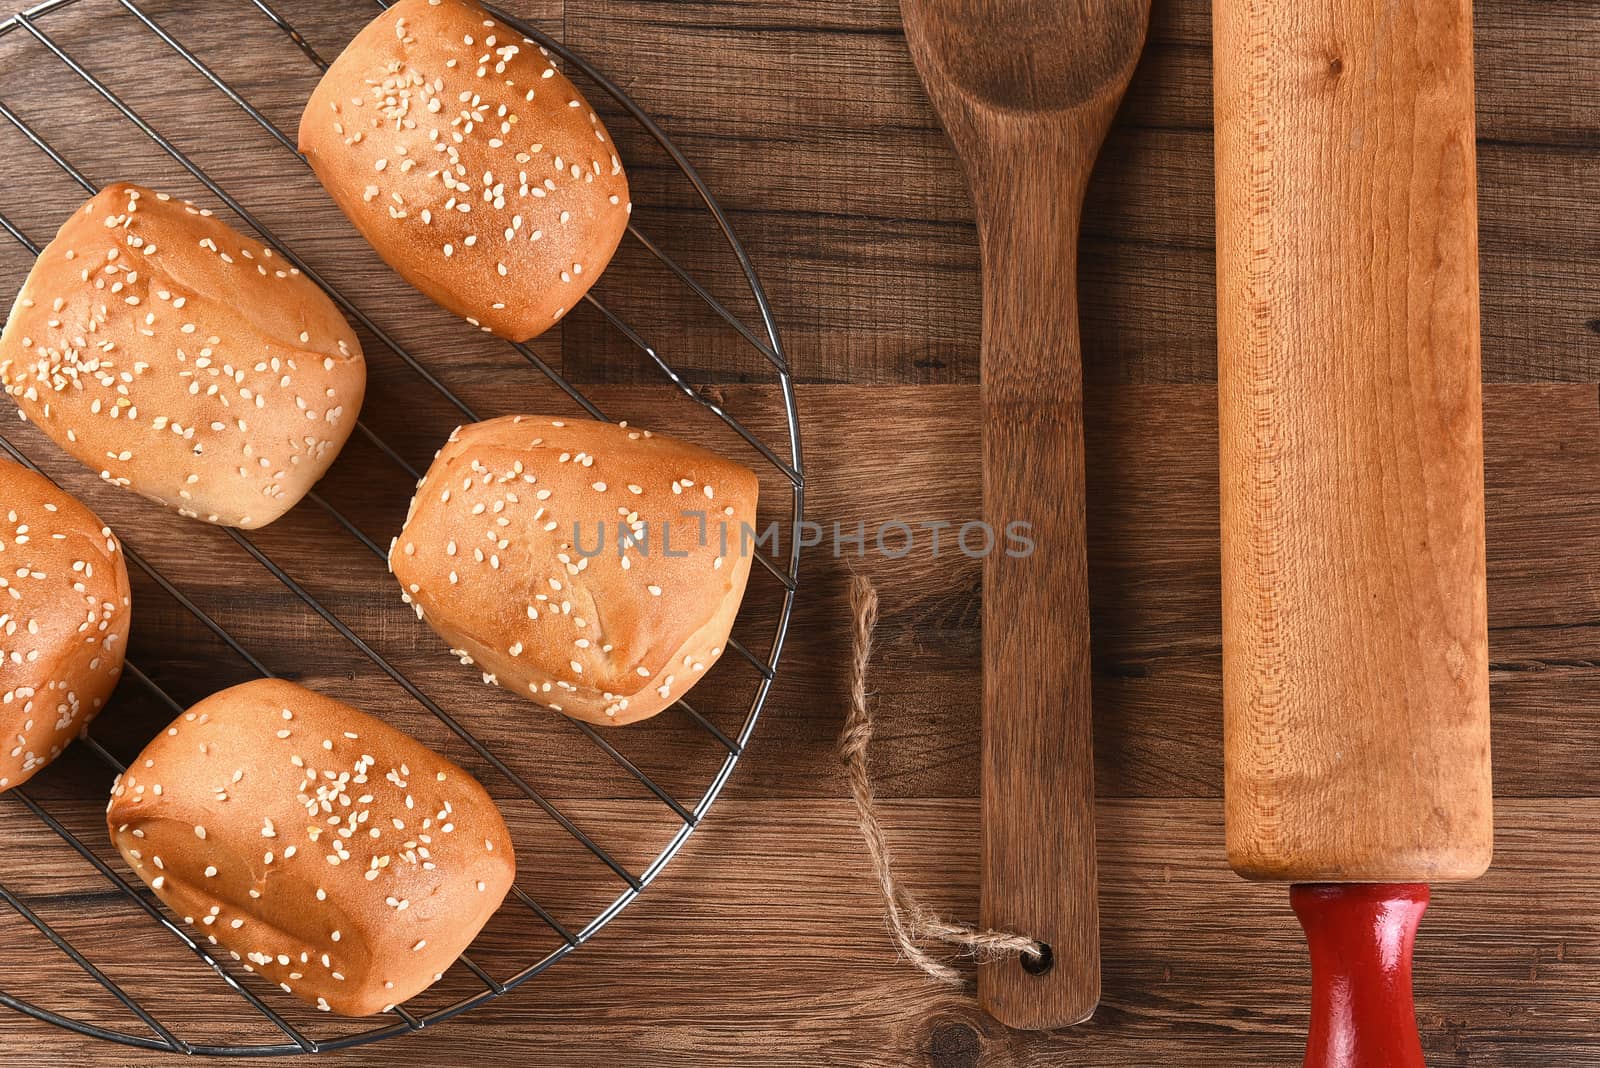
(64, 611)
(473, 166)
(516, 552)
(328, 852)
(182, 360)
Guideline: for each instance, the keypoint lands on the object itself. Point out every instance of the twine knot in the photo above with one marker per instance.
(911, 924)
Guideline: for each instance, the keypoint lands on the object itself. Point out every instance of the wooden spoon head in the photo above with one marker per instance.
(1025, 55)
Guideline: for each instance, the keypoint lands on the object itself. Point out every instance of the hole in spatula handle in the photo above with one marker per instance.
(1042, 963)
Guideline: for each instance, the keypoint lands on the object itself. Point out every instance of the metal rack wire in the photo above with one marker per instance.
(786, 461)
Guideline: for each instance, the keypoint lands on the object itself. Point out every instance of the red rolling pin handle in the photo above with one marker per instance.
(1361, 936)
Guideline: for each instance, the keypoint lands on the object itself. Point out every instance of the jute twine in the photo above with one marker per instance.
(912, 925)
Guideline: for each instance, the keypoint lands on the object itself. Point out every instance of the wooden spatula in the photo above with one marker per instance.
(1027, 90)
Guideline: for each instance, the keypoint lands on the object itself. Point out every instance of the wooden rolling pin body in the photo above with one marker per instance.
(1355, 638)
(1355, 647)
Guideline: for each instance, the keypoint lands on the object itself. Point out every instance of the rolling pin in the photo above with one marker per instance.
(1355, 638)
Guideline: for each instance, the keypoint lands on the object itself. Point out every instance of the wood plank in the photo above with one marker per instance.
(1154, 580)
(714, 974)
(854, 207)
(833, 185)
(1153, 587)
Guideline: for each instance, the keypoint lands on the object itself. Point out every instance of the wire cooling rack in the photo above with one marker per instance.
(785, 460)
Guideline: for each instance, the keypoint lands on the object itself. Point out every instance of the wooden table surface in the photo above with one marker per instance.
(764, 944)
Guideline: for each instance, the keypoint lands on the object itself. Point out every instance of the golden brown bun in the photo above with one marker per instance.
(330, 853)
(487, 557)
(64, 610)
(181, 359)
(472, 165)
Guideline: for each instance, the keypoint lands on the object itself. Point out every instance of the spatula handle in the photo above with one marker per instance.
(1361, 935)
(1038, 773)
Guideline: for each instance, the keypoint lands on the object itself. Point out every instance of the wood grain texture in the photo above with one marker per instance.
(1355, 646)
(867, 239)
(1201, 969)
(764, 945)
(1027, 111)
